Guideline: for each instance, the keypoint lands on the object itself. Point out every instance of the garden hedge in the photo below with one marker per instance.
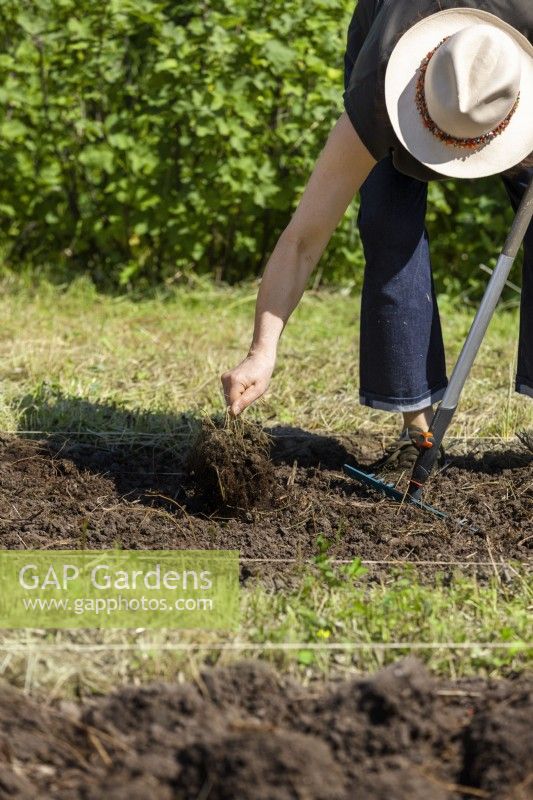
(141, 140)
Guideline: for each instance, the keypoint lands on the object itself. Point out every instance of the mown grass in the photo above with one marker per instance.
(74, 360)
(335, 623)
(157, 358)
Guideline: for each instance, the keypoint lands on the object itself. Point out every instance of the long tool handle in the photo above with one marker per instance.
(427, 458)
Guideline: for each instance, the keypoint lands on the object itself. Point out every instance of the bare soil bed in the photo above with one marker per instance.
(278, 499)
(244, 732)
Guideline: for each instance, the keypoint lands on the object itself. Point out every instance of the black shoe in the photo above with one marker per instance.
(401, 455)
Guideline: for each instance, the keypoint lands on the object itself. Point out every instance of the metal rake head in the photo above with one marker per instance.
(389, 489)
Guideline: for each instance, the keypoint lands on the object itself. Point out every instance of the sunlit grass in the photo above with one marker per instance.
(331, 624)
(157, 358)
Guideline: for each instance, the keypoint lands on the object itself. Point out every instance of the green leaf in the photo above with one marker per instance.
(167, 65)
(279, 54)
(12, 129)
(306, 657)
(98, 158)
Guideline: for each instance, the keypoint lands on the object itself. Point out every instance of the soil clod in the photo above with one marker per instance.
(231, 468)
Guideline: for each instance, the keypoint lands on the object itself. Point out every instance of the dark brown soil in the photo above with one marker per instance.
(244, 733)
(67, 494)
(230, 467)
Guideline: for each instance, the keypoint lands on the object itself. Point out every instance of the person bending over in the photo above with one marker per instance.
(433, 89)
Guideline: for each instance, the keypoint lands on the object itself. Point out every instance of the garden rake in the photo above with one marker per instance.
(428, 443)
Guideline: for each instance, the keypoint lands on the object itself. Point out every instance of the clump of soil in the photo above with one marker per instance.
(499, 745)
(399, 734)
(265, 765)
(231, 467)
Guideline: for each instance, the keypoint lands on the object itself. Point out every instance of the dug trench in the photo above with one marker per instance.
(270, 497)
(243, 732)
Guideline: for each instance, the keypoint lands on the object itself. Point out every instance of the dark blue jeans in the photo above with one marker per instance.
(402, 363)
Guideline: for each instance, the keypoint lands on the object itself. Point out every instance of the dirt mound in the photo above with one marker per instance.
(34, 745)
(263, 765)
(400, 734)
(67, 494)
(230, 466)
(499, 744)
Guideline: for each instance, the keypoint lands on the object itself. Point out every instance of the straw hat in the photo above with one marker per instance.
(459, 93)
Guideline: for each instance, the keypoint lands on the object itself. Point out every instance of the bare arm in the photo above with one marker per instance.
(341, 169)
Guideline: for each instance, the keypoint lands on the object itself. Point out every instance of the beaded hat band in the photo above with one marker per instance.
(432, 126)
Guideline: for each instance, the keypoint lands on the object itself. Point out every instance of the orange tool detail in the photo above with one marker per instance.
(424, 440)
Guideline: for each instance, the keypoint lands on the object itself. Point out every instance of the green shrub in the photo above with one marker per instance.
(144, 139)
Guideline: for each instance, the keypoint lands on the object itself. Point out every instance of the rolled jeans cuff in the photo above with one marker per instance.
(401, 404)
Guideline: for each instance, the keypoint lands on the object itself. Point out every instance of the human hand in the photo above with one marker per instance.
(248, 381)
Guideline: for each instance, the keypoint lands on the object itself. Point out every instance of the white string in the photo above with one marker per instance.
(500, 565)
(456, 439)
(271, 646)
(98, 433)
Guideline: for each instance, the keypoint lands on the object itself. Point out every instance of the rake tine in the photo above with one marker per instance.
(369, 479)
